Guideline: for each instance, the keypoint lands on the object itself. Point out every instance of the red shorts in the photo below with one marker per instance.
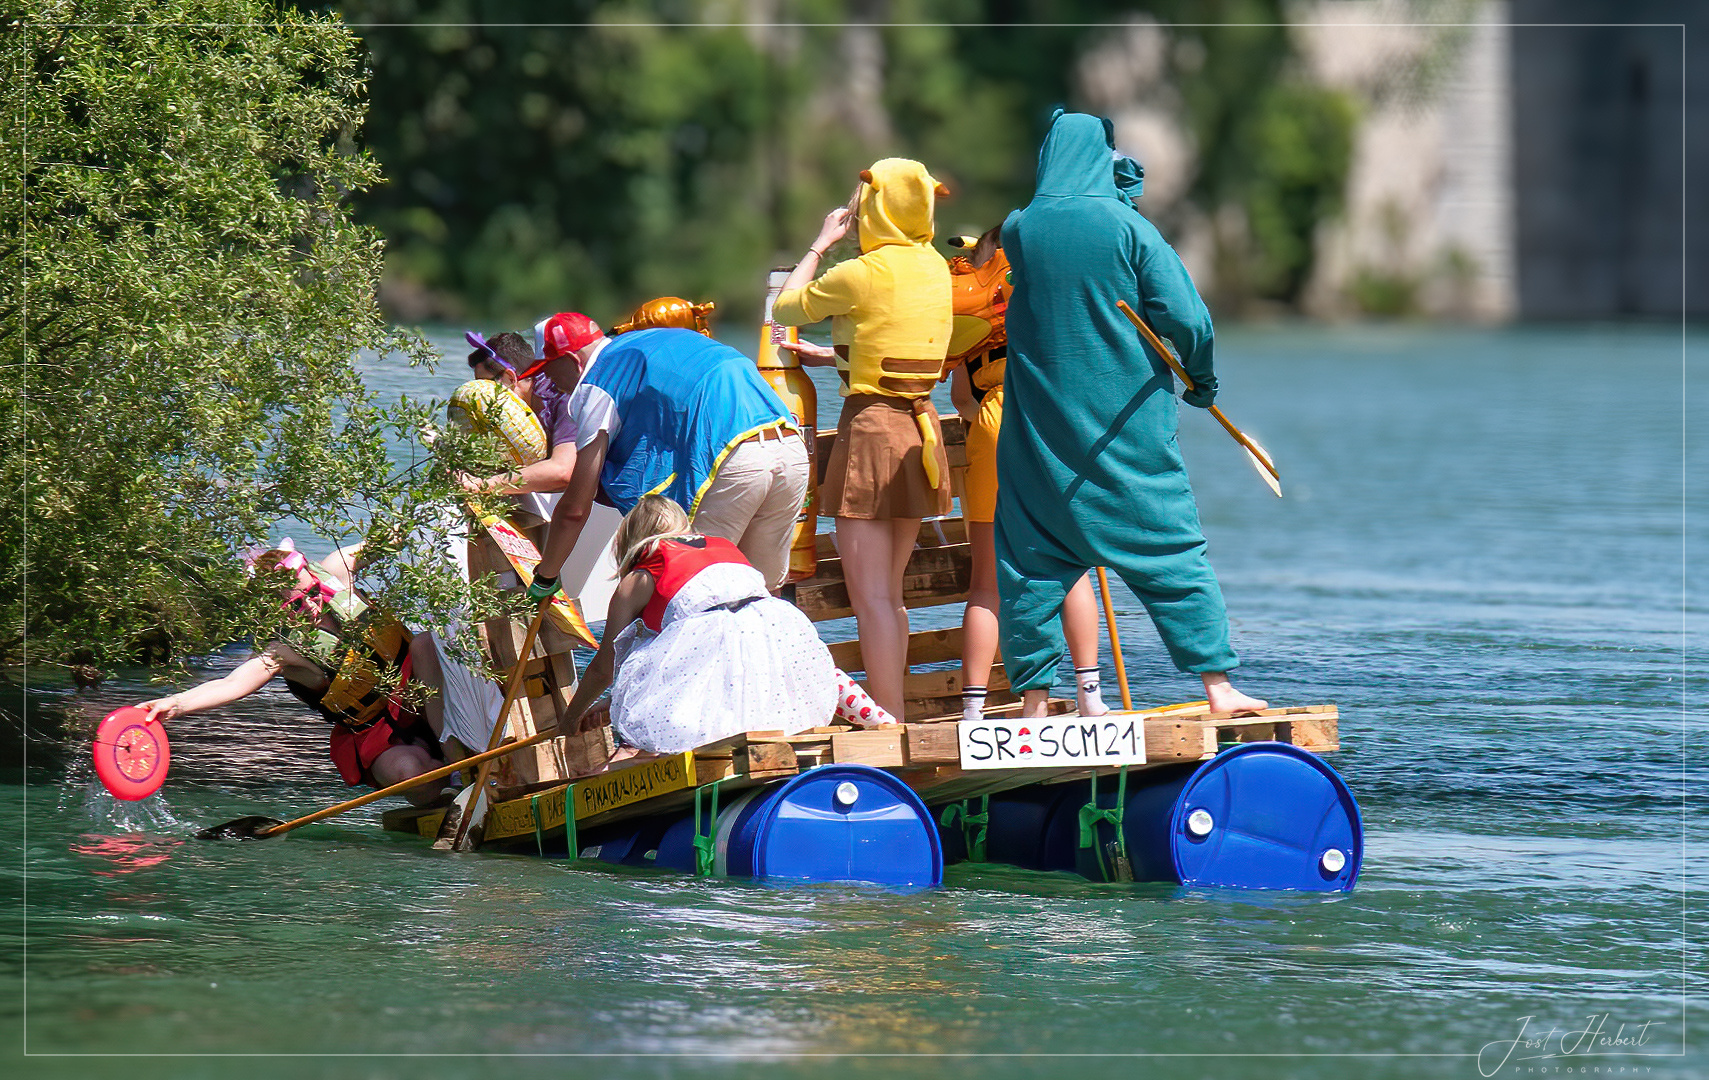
(354, 752)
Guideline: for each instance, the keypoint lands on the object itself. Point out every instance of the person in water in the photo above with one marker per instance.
(890, 318)
(673, 412)
(376, 740)
(1088, 465)
(697, 649)
(978, 355)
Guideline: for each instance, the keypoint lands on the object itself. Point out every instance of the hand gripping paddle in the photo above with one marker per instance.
(131, 753)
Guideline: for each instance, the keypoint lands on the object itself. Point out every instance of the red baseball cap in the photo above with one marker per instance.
(561, 335)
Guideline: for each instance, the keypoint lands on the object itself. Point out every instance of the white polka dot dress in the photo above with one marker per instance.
(728, 657)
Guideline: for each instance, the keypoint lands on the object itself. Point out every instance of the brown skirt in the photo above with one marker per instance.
(875, 470)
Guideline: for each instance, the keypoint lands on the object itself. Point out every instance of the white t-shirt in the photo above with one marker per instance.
(591, 409)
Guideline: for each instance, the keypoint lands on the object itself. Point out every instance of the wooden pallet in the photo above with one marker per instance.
(925, 756)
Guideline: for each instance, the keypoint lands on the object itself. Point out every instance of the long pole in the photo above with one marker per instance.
(501, 728)
(405, 785)
(1115, 638)
(1260, 456)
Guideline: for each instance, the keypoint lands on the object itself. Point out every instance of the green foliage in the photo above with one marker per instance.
(1271, 147)
(655, 150)
(187, 296)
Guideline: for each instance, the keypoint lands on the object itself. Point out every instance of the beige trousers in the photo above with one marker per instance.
(754, 499)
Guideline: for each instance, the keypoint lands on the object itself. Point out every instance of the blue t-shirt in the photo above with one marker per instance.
(673, 403)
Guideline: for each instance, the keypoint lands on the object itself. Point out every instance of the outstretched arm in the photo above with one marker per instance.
(627, 601)
(245, 679)
(548, 474)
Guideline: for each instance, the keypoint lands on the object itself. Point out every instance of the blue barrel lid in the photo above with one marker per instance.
(1267, 816)
(847, 823)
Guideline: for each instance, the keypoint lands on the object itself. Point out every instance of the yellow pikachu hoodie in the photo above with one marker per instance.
(890, 309)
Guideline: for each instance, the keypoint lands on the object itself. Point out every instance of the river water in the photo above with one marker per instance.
(1483, 559)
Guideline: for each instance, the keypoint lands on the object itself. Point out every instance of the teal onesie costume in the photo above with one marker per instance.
(1088, 470)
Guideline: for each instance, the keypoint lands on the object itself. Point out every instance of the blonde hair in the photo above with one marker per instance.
(655, 518)
(853, 234)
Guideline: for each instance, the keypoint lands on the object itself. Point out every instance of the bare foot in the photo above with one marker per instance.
(1034, 703)
(1222, 697)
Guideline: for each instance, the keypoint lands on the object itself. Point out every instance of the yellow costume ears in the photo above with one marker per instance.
(938, 188)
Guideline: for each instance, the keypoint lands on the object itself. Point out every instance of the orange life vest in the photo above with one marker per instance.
(980, 296)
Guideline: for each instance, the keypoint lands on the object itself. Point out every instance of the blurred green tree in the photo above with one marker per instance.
(597, 153)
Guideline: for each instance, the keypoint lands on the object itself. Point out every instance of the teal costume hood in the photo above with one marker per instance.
(1088, 470)
(1077, 158)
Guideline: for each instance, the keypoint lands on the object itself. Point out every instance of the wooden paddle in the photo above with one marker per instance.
(1260, 457)
(1115, 638)
(460, 841)
(238, 830)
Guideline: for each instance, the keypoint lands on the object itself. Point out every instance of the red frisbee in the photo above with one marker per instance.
(131, 753)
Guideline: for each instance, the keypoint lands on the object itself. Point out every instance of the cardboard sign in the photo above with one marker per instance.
(637, 783)
(1052, 742)
(523, 556)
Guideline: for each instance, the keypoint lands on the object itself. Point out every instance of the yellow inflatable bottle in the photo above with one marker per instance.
(484, 405)
(782, 370)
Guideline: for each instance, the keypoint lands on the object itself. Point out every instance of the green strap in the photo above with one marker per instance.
(539, 837)
(1092, 813)
(973, 826)
(705, 846)
(571, 842)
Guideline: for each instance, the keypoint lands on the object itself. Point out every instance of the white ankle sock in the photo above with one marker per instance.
(973, 703)
(1088, 693)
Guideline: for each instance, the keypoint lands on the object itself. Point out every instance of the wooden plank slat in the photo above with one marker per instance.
(942, 685)
(924, 647)
(934, 532)
(1178, 740)
(878, 747)
(759, 757)
(820, 600)
(932, 744)
(924, 561)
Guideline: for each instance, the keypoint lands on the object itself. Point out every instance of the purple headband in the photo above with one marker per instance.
(480, 344)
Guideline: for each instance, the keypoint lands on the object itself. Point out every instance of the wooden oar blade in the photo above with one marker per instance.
(1265, 464)
(1264, 474)
(254, 827)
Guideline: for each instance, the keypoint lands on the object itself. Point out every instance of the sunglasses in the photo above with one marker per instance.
(488, 352)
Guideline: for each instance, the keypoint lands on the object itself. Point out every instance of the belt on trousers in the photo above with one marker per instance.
(767, 435)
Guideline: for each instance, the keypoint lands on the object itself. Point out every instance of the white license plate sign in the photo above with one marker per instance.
(1053, 742)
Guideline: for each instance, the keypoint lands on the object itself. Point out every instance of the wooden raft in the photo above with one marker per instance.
(924, 751)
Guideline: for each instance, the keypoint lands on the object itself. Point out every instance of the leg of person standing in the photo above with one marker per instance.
(1080, 627)
(875, 555)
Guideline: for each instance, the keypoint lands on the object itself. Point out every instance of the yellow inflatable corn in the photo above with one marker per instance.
(484, 405)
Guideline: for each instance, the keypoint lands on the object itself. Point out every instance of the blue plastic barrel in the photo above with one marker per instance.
(632, 843)
(1257, 816)
(1025, 827)
(831, 823)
